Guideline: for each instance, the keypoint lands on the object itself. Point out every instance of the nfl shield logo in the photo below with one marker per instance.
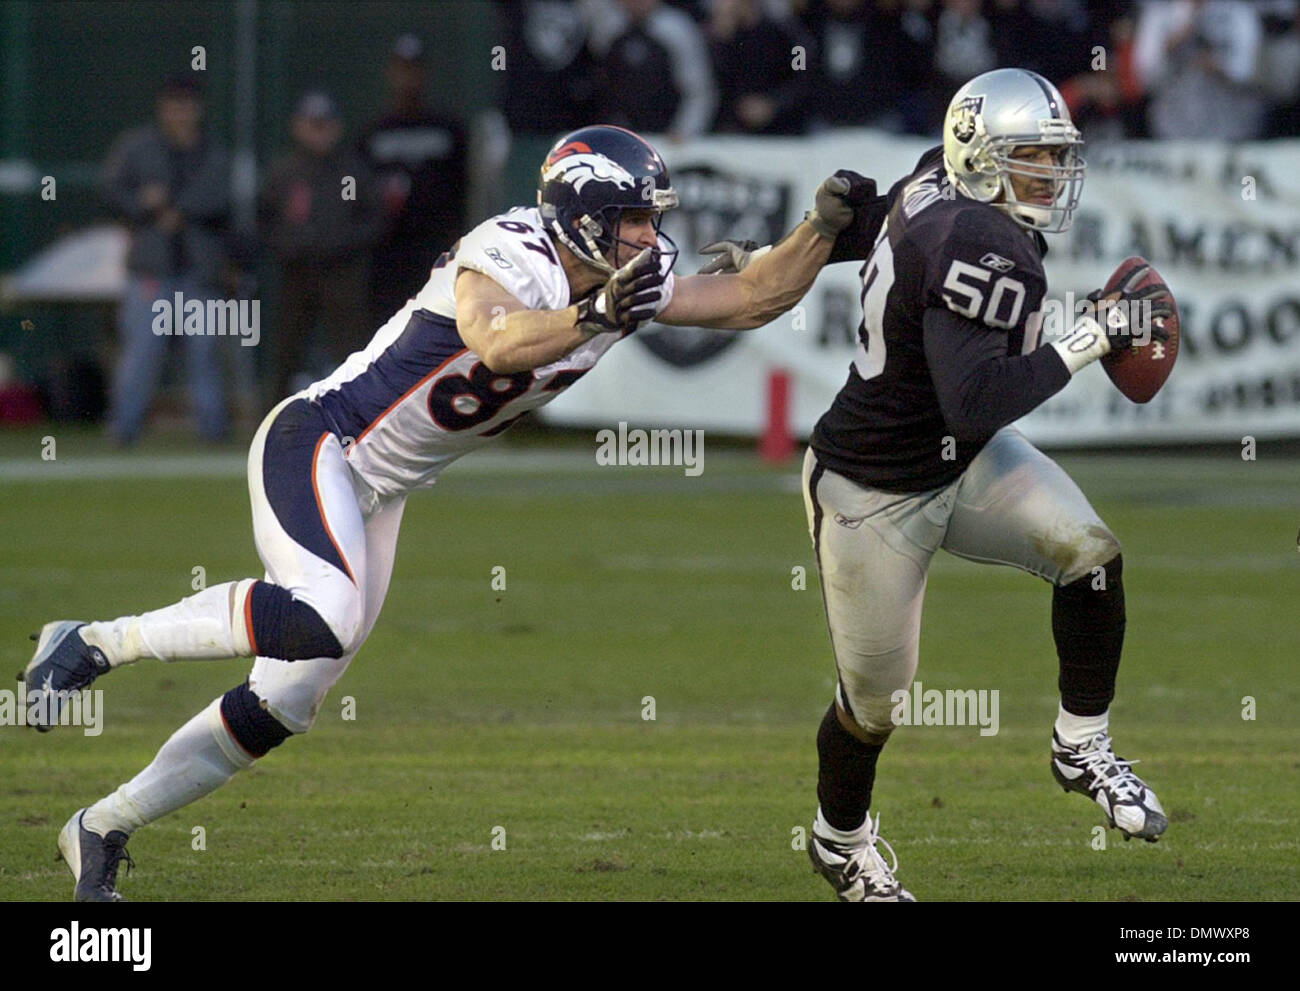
(714, 205)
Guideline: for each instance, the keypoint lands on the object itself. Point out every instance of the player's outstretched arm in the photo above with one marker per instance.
(504, 333)
(775, 280)
(511, 338)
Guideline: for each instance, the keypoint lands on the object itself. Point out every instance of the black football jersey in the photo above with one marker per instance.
(935, 249)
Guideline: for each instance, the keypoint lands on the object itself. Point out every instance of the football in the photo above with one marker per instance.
(1139, 372)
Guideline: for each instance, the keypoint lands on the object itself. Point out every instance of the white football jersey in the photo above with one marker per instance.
(416, 398)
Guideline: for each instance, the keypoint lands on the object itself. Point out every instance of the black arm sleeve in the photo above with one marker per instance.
(855, 242)
(980, 387)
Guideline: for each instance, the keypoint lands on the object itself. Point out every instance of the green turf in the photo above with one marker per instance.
(522, 709)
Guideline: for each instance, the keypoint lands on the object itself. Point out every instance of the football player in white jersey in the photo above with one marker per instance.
(520, 308)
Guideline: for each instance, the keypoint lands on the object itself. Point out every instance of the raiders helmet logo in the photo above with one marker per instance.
(963, 117)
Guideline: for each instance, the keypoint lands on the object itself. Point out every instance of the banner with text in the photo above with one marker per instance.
(1220, 223)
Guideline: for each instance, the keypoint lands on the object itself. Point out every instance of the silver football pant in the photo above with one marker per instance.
(1013, 505)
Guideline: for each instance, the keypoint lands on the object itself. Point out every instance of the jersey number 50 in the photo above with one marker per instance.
(972, 296)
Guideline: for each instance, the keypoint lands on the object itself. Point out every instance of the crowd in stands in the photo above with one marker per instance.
(1157, 68)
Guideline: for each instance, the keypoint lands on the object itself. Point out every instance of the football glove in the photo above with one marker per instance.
(836, 198)
(732, 256)
(629, 297)
(1131, 315)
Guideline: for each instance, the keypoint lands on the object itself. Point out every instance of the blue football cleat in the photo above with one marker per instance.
(63, 663)
(93, 860)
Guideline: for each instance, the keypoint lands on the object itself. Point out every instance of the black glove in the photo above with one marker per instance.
(732, 256)
(1133, 314)
(837, 197)
(628, 298)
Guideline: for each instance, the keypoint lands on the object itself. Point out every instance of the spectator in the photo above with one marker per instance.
(1054, 38)
(1110, 104)
(964, 46)
(1279, 68)
(862, 63)
(762, 89)
(1197, 61)
(912, 24)
(654, 69)
(549, 75)
(170, 183)
(320, 227)
(420, 157)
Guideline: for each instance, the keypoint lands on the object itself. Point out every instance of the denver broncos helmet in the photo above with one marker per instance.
(589, 177)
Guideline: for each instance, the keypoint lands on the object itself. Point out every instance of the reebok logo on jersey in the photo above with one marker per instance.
(845, 521)
(997, 262)
(496, 255)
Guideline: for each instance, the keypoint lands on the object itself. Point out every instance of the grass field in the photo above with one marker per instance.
(478, 708)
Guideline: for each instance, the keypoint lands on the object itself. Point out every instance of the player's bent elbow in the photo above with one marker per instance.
(495, 361)
(489, 349)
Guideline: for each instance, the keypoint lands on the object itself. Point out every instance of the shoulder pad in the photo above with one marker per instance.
(514, 250)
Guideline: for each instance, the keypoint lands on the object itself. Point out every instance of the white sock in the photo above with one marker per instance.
(1078, 730)
(208, 624)
(826, 831)
(199, 758)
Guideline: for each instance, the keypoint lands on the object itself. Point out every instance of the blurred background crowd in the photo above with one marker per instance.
(1162, 69)
(333, 266)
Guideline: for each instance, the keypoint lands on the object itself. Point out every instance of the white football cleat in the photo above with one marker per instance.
(858, 873)
(1093, 770)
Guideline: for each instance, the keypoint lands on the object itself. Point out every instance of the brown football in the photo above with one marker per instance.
(1139, 372)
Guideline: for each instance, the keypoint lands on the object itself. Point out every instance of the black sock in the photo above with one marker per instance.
(1088, 626)
(846, 770)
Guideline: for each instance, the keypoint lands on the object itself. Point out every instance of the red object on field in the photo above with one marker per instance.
(20, 403)
(777, 443)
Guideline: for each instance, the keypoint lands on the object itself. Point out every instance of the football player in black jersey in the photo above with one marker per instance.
(917, 453)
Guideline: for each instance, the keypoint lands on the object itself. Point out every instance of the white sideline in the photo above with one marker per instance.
(108, 466)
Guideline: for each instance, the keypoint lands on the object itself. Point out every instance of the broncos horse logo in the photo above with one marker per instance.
(577, 165)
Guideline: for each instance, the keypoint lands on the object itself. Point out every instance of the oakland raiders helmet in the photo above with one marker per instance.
(589, 177)
(993, 115)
